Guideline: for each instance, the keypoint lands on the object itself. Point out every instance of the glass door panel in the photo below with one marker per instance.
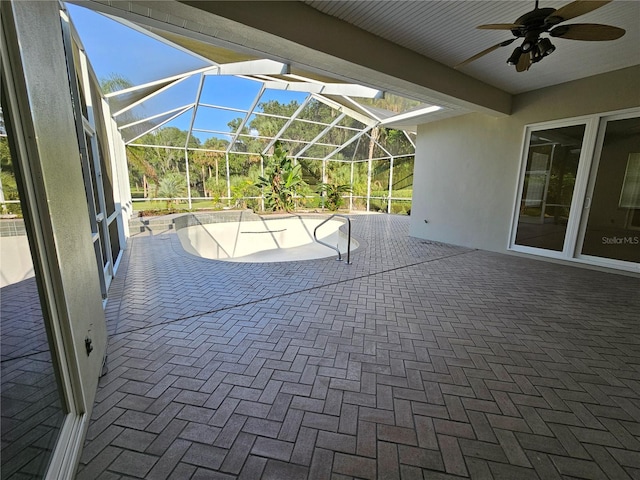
(548, 185)
(613, 226)
(31, 406)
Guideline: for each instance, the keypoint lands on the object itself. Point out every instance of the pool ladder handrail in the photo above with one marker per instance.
(315, 237)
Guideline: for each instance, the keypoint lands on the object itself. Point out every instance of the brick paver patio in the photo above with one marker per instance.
(420, 360)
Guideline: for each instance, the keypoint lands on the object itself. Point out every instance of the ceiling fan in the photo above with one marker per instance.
(538, 21)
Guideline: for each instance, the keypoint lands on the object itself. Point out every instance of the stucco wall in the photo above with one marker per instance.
(466, 169)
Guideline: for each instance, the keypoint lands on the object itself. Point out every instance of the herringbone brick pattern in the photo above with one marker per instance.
(420, 360)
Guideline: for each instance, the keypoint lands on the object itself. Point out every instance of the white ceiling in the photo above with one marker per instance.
(445, 31)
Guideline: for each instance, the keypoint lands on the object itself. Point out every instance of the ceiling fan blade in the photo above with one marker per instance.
(485, 51)
(574, 9)
(524, 62)
(499, 26)
(587, 31)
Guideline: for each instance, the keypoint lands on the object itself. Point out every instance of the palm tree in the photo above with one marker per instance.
(172, 186)
(114, 82)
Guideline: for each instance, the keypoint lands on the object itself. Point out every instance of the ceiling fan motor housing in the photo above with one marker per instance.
(534, 22)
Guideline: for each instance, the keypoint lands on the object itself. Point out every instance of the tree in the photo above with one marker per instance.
(215, 189)
(334, 193)
(391, 102)
(114, 82)
(170, 159)
(205, 163)
(140, 169)
(280, 181)
(8, 185)
(172, 187)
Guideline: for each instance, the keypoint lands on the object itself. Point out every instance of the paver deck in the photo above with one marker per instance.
(420, 360)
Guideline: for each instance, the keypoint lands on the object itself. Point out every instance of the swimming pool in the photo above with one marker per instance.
(267, 239)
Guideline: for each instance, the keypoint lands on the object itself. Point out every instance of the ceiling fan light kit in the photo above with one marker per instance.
(538, 21)
(546, 47)
(515, 56)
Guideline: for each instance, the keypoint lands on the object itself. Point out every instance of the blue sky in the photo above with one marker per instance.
(113, 48)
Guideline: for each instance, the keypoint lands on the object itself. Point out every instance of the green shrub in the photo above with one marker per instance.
(334, 193)
(281, 180)
(172, 186)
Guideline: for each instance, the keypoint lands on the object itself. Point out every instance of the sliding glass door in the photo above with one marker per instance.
(33, 406)
(548, 186)
(579, 194)
(53, 326)
(611, 226)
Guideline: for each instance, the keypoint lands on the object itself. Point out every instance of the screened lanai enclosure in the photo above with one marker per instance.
(200, 122)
